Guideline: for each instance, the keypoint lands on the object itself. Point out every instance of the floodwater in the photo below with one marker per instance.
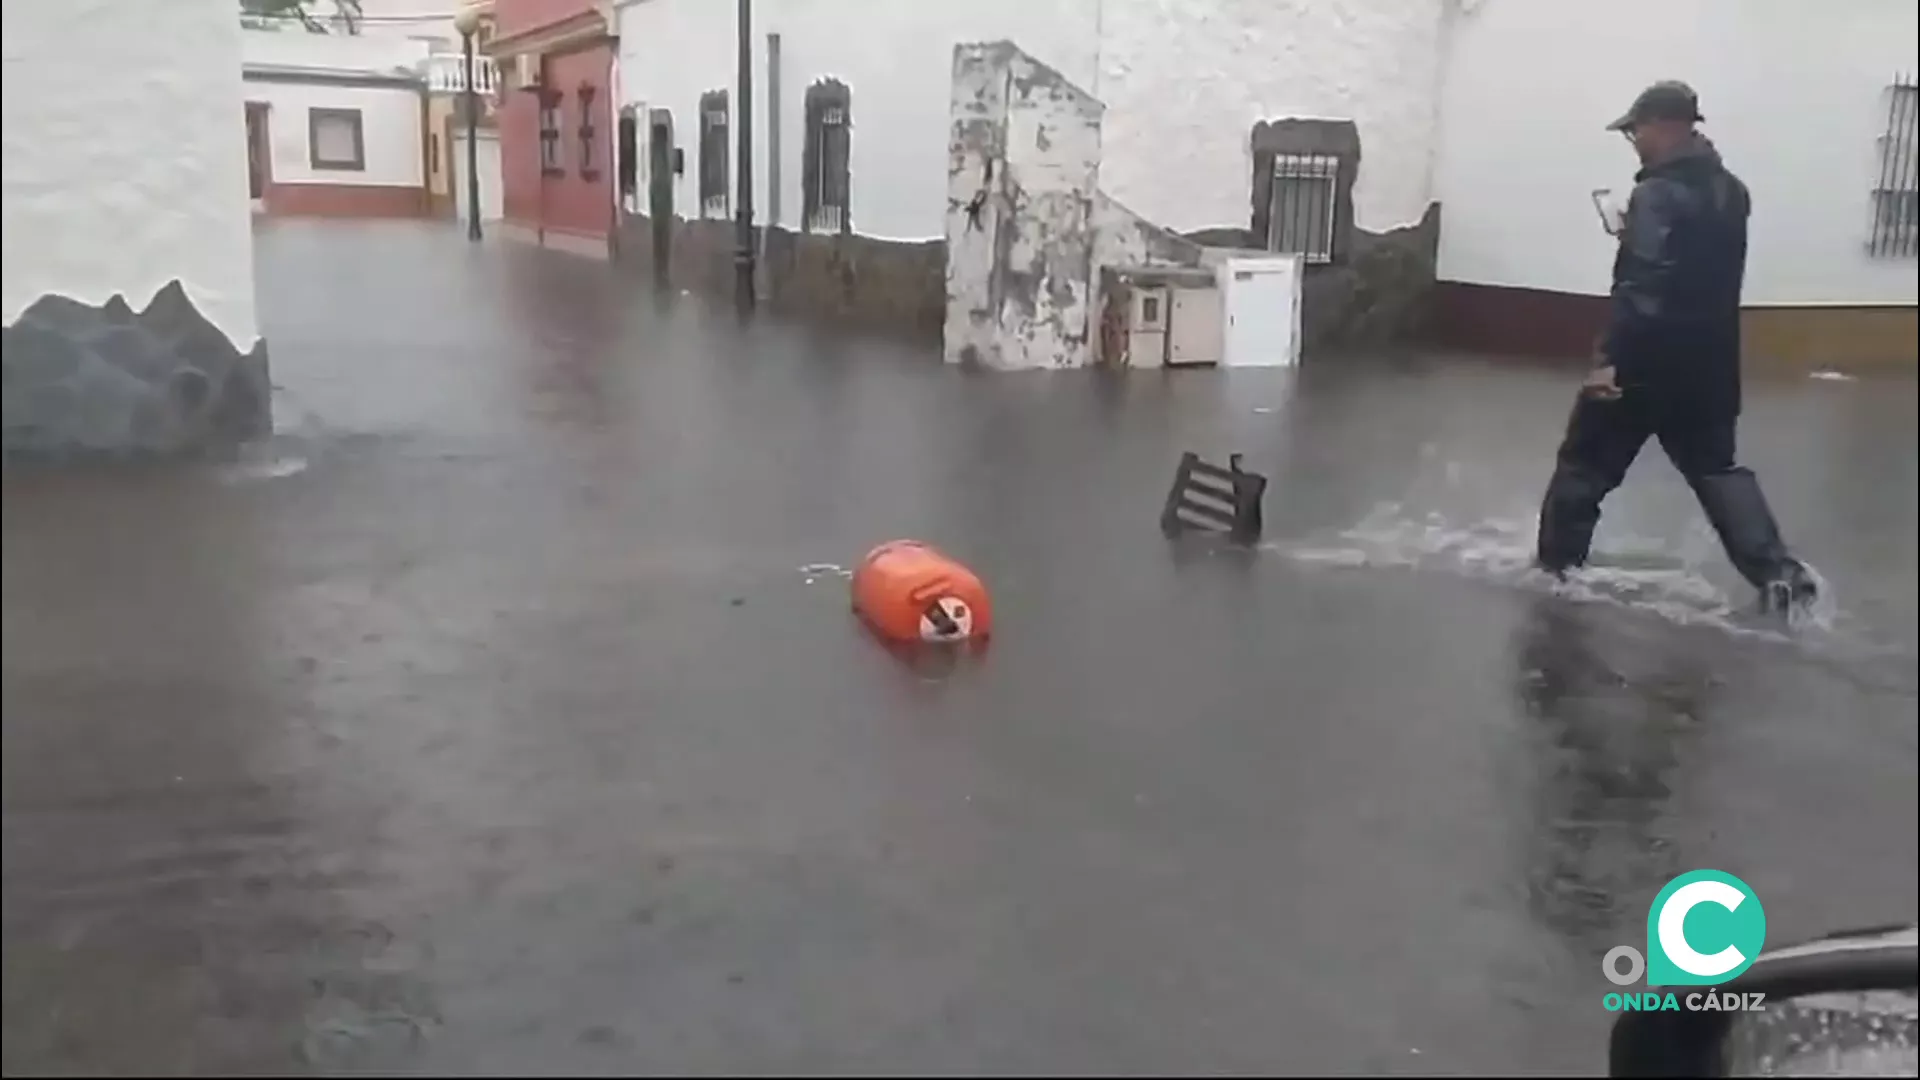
(505, 712)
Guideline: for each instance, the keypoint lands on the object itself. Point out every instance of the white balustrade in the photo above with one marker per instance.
(447, 74)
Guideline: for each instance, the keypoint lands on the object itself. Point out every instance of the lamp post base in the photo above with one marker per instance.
(471, 100)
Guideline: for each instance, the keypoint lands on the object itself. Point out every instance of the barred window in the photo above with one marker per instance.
(1300, 213)
(714, 202)
(1896, 226)
(827, 184)
(1302, 187)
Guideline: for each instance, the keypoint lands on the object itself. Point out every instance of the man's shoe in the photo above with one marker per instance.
(1793, 590)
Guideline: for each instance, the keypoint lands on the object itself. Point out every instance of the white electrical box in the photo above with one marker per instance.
(1160, 316)
(1194, 334)
(1147, 327)
(1261, 300)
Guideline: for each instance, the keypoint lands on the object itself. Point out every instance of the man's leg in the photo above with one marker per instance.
(1731, 496)
(1602, 439)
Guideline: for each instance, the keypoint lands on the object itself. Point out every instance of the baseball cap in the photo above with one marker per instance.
(1669, 99)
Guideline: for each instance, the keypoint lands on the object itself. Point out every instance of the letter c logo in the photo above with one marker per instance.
(1737, 931)
(1673, 928)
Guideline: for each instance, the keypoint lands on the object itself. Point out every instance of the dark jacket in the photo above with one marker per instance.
(1674, 335)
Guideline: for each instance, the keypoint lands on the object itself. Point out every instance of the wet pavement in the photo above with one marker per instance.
(488, 720)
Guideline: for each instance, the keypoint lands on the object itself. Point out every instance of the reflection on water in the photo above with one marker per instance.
(1609, 723)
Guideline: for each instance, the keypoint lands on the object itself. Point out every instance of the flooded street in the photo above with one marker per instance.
(505, 713)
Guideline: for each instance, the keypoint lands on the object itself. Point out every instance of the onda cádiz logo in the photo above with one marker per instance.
(1705, 928)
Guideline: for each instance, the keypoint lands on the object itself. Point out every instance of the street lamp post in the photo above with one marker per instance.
(743, 202)
(468, 23)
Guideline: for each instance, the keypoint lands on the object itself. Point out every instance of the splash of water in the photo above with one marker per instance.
(1635, 572)
(272, 467)
(287, 452)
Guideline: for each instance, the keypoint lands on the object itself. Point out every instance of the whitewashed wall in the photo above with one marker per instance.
(390, 116)
(125, 155)
(1793, 92)
(1186, 80)
(896, 57)
(390, 126)
(1184, 84)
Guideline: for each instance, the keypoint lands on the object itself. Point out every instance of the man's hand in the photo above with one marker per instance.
(1599, 384)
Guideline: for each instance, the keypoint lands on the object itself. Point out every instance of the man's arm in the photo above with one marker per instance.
(1643, 275)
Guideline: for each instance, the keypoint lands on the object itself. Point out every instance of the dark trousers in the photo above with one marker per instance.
(1603, 437)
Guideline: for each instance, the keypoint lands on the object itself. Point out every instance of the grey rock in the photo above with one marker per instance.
(85, 381)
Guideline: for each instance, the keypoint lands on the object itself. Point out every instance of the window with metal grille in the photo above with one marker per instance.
(713, 154)
(1301, 205)
(551, 157)
(826, 181)
(589, 169)
(1896, 226)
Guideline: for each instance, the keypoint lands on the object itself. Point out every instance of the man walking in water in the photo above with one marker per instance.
(1669, 363)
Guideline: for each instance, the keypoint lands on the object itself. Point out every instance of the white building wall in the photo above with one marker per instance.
(896, 58)
(390, 126)
(1794, 93)
(390, 116)
(125, 156)
(1184, 84)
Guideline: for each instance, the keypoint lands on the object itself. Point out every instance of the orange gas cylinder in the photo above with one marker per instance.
(908, 591)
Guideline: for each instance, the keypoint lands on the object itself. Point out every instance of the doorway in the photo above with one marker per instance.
(259, 157)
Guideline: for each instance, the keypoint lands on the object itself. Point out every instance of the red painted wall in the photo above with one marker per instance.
(519, 123)
(516, 16)
(579, 198)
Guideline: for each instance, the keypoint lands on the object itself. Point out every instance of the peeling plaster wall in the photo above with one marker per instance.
(1045, 237)
(975, 202)
(125, 156)
(1124, 238)
(1024, 166)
